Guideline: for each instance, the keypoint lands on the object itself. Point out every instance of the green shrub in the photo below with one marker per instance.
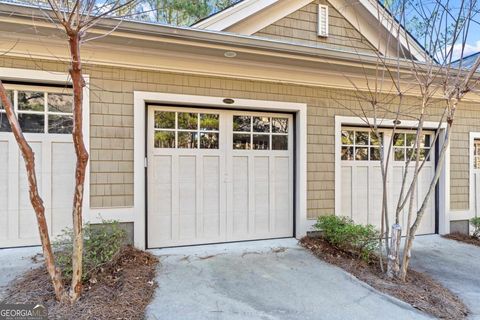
(345, 234)
(101, 243)
(476, 226)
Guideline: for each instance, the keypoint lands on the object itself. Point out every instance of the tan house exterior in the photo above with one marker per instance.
(268, 58)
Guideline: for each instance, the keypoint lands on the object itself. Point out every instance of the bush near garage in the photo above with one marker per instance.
(475, 222)
(342, 232)
(101, 244)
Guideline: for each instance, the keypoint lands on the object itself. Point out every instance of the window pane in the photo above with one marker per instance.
(279, 125)
(164, 139)
(411, 137)
(242, 123)
(399, 154)
(399, 139)
(4, 125)
(10, 96)
(261, 142)
(361, 154)
(32, 123)
(60, 124)
(411, 154)
(32, 101)
(477, 162)
(187, 121)
(374, 139)
(209, 140)
(347, 137)
(279, 142)
(261, 124)
(424, 153)
(58, 102)
(425, 143)
(375, 154)
(209, 121)
(241, 141)
(187, 140)
(477, 148)
(164, 120)
(347, 153)
(361, 137)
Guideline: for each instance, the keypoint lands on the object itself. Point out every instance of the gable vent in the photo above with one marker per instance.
(322, 20)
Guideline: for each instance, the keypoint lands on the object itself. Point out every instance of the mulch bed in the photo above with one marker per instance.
(419, 290)
(463, 238)
(121, 290)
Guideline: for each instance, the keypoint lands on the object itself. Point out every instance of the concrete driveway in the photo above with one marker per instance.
(273, 279)
(452, 263)
(14, 262)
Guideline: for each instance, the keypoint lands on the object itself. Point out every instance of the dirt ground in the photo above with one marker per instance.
(121, 290)
(419, 290)
(463, 238)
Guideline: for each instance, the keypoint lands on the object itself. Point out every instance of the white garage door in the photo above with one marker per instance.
(217, 176)
(45, 115)
(361, 191)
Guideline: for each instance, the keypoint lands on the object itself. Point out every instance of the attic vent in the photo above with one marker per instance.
(322, 20)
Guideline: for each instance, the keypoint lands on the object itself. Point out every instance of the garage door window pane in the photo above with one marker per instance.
(361, 154)
(476, 154)
(164, 120)
(279, 125)
(399, 154)
(187, 121)
(411, 139)
(376, 140)
(242, 123)
(279, 142)
(164, 139)
(31, 101)
(399, 139)
(4, 125)
(261, 142)
(187, 140)
(10, 96)
(361, 138)
(241, 141)
(347, 137)
(375, 154)
(261, 124)
(347, 153)
(209, 122)
(32, 123)
(60, 124)
(60, 102)
(209, 140)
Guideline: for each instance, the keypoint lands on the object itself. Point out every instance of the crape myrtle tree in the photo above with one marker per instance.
(421, 88)
(73, 19)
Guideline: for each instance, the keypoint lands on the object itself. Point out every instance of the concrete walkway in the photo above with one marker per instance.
(454, 264)
(273, 279)
(14, 262)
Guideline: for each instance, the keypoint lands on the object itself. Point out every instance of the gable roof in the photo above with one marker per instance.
(369, 17)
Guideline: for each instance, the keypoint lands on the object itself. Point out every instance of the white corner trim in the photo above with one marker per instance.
(51, 77)
(234, 14)
(474, 177)
(443, 184)
(141, 99)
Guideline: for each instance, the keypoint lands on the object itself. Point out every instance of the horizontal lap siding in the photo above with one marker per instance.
(111, 127)
(301, 27)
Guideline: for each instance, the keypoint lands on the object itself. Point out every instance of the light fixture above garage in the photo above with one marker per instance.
(397, 122)
(228, 101)
(230, 54)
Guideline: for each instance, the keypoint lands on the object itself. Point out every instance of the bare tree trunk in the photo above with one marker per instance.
(393, 266)
(74, 39)
(35, 198)
(409, 239)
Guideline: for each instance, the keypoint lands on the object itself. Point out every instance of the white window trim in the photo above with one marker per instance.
(50, 77)
(141, 99)
(474, 209)
(319, 21)
(444, 182)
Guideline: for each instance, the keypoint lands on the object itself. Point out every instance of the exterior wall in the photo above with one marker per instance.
(111, 131)
(301, 27)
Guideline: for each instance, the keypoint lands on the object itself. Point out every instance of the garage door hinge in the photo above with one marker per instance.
(146, 162)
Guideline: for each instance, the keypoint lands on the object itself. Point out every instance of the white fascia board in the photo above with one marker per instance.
(230, 16)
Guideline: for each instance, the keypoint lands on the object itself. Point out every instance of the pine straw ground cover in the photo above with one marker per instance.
(463, 238)
(122, 289)
(420, 291)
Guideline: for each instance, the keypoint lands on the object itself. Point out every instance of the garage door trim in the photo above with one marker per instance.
(141, 99)
(444, 183)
